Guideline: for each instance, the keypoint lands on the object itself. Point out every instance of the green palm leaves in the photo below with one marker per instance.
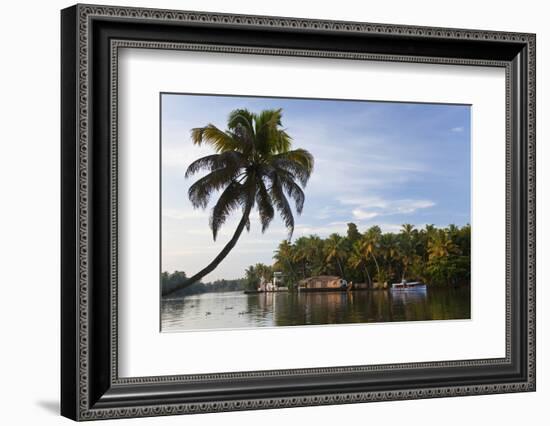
(253, 166)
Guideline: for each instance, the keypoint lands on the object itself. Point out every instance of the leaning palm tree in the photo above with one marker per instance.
(253, 165)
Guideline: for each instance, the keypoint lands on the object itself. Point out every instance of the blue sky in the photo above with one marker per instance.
(376, 163)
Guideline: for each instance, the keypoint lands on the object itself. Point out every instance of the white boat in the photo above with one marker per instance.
(406, 286)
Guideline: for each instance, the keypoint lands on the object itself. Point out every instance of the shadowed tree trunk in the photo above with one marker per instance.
(340, 267)
(217, 260)
(366, 270)
(376, 263)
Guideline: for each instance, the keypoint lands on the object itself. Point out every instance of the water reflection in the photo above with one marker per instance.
(238, 310)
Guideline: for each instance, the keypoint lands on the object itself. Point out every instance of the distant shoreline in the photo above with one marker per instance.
(431, 287)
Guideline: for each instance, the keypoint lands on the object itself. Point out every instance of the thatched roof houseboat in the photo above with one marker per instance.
(322, 282)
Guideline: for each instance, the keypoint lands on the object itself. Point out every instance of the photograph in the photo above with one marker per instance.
(283, 212)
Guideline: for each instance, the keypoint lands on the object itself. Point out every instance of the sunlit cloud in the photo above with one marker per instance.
(362, 214)
(368, 208)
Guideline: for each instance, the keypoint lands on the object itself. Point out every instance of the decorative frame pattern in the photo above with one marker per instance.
(89, 401)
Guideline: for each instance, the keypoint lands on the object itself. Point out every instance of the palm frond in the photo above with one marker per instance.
(219, 140)
(241, 118)
(230, 199)
(210, 163)
(282, 205)
(241, 125)
(265, 206)
(292, 189)
(270, 138)
(299, 162)
(229, 159)
(201, 191)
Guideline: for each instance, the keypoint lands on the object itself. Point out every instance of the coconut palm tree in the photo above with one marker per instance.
(283, 255)
(284, 261)
(257, 273)
(369, 244)
(357, 260)
(253, 165)
(315, 254)
(441, 245)
(390, 252)
(335, 247)
(408, 246)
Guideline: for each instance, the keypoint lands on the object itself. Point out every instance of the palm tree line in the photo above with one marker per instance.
(438, 256)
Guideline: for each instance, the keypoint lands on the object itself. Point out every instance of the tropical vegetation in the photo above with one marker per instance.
(255, 274)
(437, 256)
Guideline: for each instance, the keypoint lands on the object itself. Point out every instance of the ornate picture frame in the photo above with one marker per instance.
(90, 39)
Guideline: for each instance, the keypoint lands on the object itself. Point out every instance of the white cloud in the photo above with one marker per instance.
(363, 215)
(370, 207)
(457, 129)
(410, 206)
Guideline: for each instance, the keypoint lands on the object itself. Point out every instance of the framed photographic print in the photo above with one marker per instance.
(263, 212)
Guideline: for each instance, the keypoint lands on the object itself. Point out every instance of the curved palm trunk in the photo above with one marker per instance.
(217, 260)
(366, 270)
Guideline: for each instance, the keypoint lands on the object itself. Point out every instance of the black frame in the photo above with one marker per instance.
(90, 386)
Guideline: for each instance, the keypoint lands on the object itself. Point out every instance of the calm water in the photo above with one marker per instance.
(239, 310)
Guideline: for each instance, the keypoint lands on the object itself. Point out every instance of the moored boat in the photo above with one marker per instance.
(413, 286)
(324, 283)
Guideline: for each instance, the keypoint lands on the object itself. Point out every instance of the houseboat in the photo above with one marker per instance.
(324, 283)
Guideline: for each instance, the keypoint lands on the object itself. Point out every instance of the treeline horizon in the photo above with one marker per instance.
(436, 256)
(176, 278)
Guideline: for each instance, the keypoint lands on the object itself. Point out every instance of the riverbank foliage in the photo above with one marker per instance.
(436, 256)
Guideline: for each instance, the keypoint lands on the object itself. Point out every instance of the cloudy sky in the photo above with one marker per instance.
(376, 163)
